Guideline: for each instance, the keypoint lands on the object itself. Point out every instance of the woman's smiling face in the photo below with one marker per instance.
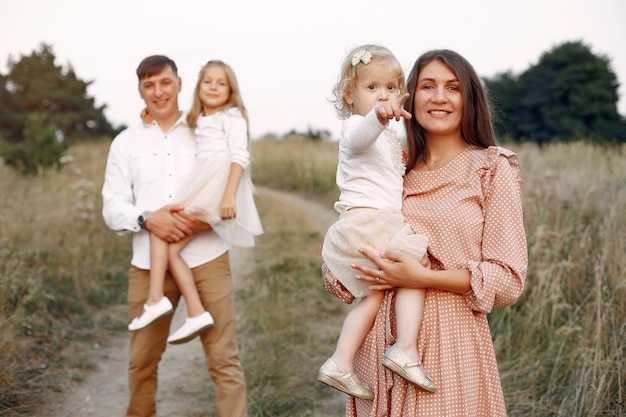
(438, 105)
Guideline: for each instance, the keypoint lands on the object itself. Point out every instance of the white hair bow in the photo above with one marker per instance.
(361, 56)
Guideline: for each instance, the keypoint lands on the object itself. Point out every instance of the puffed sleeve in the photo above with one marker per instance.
(498, 280)
(334, 287)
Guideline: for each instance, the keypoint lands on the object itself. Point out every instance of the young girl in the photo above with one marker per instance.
(369, 96)
(218, 190)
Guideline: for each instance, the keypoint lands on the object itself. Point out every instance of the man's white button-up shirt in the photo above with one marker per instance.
(145, 168)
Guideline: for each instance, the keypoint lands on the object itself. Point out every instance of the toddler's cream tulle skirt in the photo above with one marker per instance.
(202, 194)
(380, 230)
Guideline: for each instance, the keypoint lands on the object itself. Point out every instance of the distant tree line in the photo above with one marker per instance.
(570, 94)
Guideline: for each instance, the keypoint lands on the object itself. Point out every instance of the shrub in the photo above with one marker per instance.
(42, 147)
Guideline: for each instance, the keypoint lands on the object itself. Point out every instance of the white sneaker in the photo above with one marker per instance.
(151, 313)
(192, 327)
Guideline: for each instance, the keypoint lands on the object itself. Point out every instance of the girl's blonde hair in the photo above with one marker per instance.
(234, 100)
(348, 77)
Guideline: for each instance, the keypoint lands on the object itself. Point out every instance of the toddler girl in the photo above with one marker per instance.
(369, 97)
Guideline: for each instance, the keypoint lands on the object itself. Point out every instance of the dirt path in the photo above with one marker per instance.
(183, 378)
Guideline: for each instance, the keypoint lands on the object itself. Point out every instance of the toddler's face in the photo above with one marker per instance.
(376, 82)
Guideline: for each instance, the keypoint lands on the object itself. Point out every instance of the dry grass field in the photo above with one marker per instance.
(561, 348)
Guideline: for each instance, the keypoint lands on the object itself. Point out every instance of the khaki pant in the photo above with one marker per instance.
(214, 284)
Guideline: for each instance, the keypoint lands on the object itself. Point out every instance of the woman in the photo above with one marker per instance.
(464, 193)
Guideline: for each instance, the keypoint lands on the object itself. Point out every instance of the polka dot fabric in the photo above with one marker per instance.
(471, 211)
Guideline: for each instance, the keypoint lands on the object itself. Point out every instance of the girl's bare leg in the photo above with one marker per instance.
(357, 324)
(158, 266)
(409, 310)
(156, 305)
(184, 278)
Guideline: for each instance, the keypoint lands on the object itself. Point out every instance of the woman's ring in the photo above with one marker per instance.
(378, 276)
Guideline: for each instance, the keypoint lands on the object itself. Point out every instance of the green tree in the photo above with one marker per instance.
(34, 84)
(502, 93)
(11, 121)
(42, 147)
(569, 94)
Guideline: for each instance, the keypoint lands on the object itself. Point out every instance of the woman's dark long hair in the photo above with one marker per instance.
(476, 125)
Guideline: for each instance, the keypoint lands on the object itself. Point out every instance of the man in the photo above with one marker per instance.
(145, 167)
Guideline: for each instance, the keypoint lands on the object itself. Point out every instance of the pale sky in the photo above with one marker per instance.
(286, 54)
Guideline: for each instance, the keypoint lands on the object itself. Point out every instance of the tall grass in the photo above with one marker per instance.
(289, 324)
(299, 165)
(560, 348)
(59, 270)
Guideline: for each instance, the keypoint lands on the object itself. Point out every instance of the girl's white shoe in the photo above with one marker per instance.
(151, 313)
(192, 327)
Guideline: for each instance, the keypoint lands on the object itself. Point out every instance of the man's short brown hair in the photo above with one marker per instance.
(153, 65)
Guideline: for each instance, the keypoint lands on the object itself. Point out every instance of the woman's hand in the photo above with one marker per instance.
(400, 270)
(395, 269)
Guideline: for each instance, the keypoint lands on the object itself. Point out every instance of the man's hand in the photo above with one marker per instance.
(196, 225)
(172, 223)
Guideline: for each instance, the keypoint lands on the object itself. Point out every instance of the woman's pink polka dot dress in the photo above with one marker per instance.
(472, 213)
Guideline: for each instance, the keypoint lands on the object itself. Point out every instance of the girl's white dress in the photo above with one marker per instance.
(222, 138)
(370, 177)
